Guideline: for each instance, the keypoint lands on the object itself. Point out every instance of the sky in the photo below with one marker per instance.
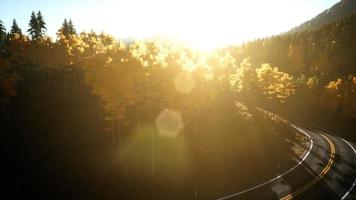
(201, 23)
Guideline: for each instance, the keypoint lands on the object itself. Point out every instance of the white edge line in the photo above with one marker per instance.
(279, 176)
(354, 183)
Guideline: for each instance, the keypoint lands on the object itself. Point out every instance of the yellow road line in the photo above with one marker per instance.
(320, 176)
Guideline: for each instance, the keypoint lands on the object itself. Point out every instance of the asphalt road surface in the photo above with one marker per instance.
(326, 170)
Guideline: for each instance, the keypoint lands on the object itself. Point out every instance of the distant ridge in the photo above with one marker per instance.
(336, 12)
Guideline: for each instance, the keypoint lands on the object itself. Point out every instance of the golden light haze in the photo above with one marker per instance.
(202, 23)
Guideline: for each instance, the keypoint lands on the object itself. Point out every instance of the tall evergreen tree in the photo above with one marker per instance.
(15, 29)
(41, 25)
(2, 27)
(67, 28)
(2, 31)
(64, 30)
(37, 26)
(72, 30)
(33, 24)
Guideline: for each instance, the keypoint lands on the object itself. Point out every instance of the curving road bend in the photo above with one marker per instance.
(327, 170)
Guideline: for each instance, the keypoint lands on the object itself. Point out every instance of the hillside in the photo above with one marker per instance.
(327, 52)
(336, 12)
(322, 64)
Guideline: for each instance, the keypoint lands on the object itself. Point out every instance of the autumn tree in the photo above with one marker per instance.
(223, 69)
(275, 84)
(339, 95)
(331, 97)
(245, 77)
(307, 90)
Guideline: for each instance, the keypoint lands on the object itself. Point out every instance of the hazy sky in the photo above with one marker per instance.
(205, 23)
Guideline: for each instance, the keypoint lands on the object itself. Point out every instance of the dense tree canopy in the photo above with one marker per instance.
(145, 103)
(313, 58)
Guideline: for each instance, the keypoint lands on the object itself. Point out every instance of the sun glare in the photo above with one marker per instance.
(202, 24)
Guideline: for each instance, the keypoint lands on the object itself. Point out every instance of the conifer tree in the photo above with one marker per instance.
(71, 28)
(2, 31)
(37, 26)
(33, 24)
(64, 30)
(67, 28)
(15, 29)
(41, 25)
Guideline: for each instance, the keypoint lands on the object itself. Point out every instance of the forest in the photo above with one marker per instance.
(322, 64)
(96, 117)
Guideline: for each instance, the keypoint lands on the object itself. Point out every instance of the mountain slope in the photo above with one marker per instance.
(336, 12)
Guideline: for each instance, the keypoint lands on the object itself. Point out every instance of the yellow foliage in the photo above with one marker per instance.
(312, 82)
(334, 85)
(273, 83)
(146, 72)
(244, 76)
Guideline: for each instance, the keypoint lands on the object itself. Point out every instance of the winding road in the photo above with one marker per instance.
(326, 170)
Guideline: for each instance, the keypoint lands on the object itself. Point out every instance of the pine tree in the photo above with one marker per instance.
(64, 30)
(2, 27)
(37, 26)
(67, 28)
(33, 24)
(72, 30)
(15, 29)
(41, 25)
(2, 31)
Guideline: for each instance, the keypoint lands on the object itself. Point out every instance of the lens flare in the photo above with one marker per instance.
(169, 123)
(184, 83)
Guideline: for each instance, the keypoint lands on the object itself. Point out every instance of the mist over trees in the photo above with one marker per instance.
(280, 70)
(101, 109)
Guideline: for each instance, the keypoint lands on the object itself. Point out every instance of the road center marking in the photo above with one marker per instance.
(354, 183)
(279, 176)
(320, 176)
